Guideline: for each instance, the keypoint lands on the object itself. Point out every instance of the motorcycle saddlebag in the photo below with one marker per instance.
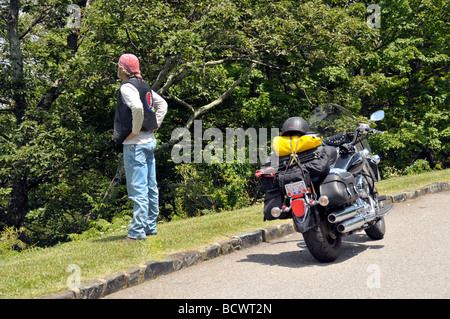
(274, 198)
(338, 186)
(267, 177)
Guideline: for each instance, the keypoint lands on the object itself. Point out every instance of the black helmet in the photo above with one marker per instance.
(294, 126)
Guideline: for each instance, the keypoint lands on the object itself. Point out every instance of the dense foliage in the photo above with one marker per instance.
(230, 64)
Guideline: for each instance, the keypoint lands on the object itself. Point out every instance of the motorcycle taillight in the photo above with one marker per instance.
(298, 207)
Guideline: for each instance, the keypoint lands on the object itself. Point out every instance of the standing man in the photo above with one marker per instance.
(139, 112)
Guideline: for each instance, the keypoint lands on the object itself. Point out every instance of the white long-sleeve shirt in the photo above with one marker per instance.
(130, 96)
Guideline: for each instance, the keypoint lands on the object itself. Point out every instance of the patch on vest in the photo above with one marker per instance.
(149, 102)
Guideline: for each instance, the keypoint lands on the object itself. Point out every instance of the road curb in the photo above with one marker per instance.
(132, 276)
(429, 189)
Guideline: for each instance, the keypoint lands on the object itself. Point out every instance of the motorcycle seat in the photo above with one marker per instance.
(339, 139)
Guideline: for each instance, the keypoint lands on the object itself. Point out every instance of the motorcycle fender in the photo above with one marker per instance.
(375, 171)
(307, 221)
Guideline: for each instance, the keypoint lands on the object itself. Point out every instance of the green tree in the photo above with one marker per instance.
(406, 74)
(52, 160)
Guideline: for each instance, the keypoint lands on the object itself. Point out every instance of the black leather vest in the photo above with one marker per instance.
(123, 118)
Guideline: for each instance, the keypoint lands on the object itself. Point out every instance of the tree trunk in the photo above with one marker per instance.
(20, 103)
(18, 204)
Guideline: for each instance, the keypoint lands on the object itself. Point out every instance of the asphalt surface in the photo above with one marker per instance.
(411, 261)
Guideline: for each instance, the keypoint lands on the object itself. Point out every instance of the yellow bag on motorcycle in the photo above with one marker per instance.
(283, 146)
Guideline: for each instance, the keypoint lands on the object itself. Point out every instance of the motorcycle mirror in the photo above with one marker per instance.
(377, 116)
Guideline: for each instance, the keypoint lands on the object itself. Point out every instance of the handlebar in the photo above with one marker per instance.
(364, 128)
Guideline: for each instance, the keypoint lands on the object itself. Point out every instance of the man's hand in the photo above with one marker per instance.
(131, 135)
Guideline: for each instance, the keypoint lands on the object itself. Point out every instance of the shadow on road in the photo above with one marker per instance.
(300, 256)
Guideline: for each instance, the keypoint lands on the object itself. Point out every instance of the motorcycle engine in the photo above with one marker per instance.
(362, 186)
(364, 190)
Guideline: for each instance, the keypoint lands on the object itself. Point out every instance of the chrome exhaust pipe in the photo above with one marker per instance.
(354, 223)
(347, 213)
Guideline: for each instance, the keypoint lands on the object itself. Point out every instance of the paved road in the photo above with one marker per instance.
(412, 261)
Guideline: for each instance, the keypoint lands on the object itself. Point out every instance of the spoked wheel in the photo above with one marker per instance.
(323, 243)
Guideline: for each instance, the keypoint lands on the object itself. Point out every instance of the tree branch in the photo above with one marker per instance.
(4, 101)
(5, 137)
(131, 41)
(163, 75)
(304, 92)
(51, 95)
(218, 101)
(171, 78)
(207, 107)
(178, 100)
(237, 58)
(37, 21)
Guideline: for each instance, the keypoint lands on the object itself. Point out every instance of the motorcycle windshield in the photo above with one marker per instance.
(330, 119)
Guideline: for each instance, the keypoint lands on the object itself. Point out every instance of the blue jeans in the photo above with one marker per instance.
(140, 171)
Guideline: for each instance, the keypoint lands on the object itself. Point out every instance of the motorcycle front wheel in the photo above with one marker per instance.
(323, 243)
(377, 231)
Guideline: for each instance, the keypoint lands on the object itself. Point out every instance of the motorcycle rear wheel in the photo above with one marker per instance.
(323, 243)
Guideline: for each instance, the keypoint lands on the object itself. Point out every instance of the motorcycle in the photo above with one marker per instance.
(329, 191)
